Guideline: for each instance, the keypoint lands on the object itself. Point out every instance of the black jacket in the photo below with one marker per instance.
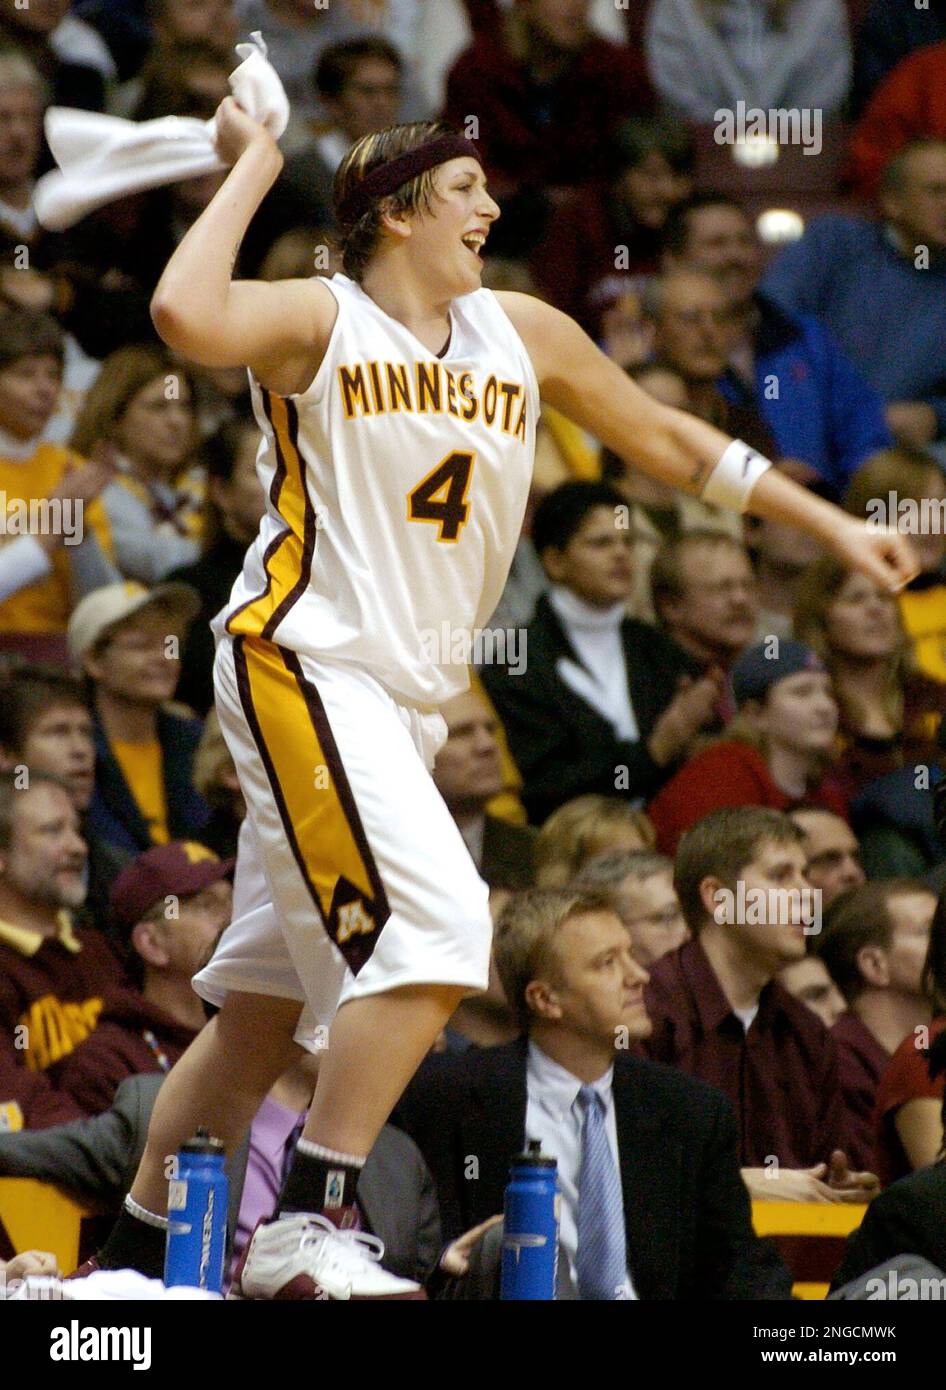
(508, 855)
(562, 746)
(213, 576)
(686, 1208)
(906, 1219)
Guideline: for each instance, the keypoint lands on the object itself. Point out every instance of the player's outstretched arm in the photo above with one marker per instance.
(199, 310)
(579, 380)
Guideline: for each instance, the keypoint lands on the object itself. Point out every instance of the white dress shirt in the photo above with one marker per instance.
(595, 633)
(554, 1116)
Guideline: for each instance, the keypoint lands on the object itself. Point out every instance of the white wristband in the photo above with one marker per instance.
(734, 477)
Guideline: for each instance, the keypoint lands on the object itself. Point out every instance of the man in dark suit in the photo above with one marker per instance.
(602, 703)
(468, 773)
(96, 1160)
(653, 1206)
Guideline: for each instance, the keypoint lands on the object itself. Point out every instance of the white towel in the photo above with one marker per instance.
(104, 1286)
(102, 158)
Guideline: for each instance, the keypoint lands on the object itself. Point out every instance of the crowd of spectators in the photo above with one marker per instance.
(703, 706)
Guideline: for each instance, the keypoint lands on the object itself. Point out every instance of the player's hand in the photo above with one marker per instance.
(235, 131)
(883, 554)
(455, 1259)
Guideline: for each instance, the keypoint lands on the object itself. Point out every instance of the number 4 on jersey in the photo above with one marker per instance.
(441, 496)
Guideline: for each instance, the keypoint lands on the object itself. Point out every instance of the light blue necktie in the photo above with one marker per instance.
(601, 1260)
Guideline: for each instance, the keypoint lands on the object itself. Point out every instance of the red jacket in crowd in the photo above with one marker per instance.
(908, 105)
(604, 84)
(729, 773)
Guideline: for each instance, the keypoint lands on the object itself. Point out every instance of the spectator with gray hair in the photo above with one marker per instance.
(639, 886)
(56, 980)
(692, 319)
(23, 97)
(704, 594)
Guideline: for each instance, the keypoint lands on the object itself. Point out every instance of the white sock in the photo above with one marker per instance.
(150, 1218)
(306, 1146)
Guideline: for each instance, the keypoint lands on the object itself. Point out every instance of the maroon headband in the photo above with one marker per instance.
(387, 178)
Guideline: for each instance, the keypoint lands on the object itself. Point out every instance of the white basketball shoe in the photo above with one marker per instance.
(302, 1256)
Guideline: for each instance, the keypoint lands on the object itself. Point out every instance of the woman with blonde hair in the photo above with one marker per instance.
(216, 780)
(398, 401)
(889, 712)
(582, 828)
(139, 416)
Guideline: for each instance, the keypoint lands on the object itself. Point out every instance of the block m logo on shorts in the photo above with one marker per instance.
(352, 923)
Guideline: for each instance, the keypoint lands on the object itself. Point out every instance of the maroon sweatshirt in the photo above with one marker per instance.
(28, 1101)
(56, 996)
(133, 1039)
(559, 135)
(52, 997)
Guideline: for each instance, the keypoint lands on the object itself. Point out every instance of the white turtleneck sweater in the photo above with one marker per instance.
(601, 680)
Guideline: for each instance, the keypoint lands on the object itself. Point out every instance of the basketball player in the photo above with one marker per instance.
(398, 402)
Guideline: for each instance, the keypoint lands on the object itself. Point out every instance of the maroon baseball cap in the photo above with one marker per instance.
(179, 869)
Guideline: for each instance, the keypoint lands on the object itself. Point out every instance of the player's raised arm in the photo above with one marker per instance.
(198, 309)
(579, 380)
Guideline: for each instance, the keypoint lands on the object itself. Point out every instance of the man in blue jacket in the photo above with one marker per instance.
(821, 411)
(879, 286)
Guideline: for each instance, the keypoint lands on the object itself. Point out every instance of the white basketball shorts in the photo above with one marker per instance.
(352, 877)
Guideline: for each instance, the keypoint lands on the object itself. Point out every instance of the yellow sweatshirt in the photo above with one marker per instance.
(43, 607)
(924, 616)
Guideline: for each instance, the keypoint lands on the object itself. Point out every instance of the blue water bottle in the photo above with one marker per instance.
(197, 1216)
(530, 1227)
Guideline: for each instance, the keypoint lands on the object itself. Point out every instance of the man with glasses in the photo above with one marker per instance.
(704, 595)
(824, 414)
(693, 325)
(639, 886)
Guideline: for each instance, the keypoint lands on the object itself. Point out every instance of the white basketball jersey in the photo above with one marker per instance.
(396, 486)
